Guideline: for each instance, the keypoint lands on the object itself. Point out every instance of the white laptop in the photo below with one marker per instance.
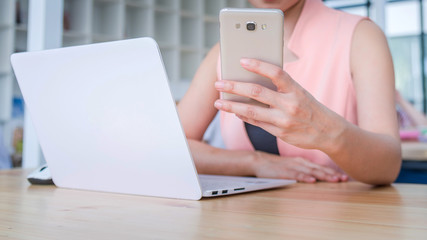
(106, 121)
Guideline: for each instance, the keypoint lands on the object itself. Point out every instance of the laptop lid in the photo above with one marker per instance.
(106, 120)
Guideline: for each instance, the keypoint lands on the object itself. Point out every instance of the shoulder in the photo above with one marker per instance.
(369, 45)
(366, 33)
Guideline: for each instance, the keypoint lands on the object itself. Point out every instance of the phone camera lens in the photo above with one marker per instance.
(250, 26)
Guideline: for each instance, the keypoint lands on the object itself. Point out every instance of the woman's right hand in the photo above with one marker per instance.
(272, 166)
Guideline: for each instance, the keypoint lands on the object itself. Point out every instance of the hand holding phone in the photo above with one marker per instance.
(249, 33)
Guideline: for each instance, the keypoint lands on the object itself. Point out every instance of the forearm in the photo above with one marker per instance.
(366, 156)
(211, 160)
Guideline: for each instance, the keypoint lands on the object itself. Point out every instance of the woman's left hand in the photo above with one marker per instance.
(294, 115)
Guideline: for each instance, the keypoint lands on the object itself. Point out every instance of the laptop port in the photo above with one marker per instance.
(224, 191)
(214, 192)
(239, 189)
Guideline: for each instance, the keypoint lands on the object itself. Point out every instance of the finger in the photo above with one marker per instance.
(250, 90)
(320, 175)
(327, 170)
(255, 113)
(344, 178)
(327, 174)
(272, 129)
(301, 173)
(320, 172)
(301, 177)
(280, 78)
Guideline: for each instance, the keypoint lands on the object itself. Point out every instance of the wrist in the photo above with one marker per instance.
(254, 159)
(336, 136)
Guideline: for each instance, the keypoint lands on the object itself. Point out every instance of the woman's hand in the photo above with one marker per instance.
(272, 166)
(293, 116)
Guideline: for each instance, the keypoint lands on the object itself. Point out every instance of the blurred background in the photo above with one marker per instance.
(185, 31)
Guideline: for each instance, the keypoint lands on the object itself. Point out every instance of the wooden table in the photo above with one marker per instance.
(414, 151)
(301, 211)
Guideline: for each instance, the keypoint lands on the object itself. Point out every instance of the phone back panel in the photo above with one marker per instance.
(265, 43)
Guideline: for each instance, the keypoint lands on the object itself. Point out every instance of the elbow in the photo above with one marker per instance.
(386, 179)
(387, 173)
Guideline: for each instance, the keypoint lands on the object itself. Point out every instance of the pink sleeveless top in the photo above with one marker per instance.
(321, 41)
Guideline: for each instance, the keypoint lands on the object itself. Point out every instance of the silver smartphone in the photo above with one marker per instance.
(249, 33)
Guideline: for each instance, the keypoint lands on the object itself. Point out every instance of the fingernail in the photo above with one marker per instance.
(311, 179)
(334, 178)
(344, 177)
(218, 104)
(245, 61)
(219, 84)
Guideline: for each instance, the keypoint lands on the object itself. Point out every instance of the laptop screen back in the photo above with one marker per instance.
(106, 120)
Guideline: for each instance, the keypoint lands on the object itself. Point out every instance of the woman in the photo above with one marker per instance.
(333, 116)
